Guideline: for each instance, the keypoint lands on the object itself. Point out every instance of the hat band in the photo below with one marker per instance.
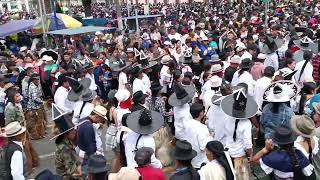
(304, 44)
(15, 132)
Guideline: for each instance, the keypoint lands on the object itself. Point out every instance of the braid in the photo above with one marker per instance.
(310, 149)
(235, 129)
(297, 171)
(221, 158)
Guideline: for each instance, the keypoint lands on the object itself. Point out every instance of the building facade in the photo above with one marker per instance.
(14, 5)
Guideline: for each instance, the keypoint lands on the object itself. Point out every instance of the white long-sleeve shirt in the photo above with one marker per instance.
(272, 60)
(198, 136)
(144, 141)
(245, 77)
(17, 164)
(181, 117)
(259, 89)
(306, 74)
(216, 125)
(93, 85)
(243, 140)
(61, 100)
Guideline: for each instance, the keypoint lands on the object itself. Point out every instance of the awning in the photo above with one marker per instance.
(16, 26)
(81, 30)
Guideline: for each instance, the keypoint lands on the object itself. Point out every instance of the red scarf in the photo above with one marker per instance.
(126, 104)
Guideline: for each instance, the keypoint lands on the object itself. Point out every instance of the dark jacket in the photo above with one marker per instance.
(86, 138)
(186, 174)
(228, 73)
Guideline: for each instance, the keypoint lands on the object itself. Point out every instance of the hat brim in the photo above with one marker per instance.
(112, 93)
(216, 99)
(296, 129)
(174, 101)
(95, 170)
(133, 123)
(150, 65)
(178, 156)
(282, 141)
(74, 96)
(291, 89)
(22, 130)
(299, 44)
(157, 58)
(118, 68)
(55, 136)
(99, 114)
(250, 110)
(91, 97)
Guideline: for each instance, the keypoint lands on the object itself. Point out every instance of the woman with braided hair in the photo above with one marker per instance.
(285, 161)
(219, 165)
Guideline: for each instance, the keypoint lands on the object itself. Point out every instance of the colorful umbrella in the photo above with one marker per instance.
(63, 22)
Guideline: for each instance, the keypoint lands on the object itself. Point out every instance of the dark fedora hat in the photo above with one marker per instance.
(182, 95)
(183, 151)
(283, 135)
(239, 105)
(77, 88)
(136, 70)
(138, 96)
(155, 86)
(145, 121)
(119, 65)
(97, 163)
(47, 175)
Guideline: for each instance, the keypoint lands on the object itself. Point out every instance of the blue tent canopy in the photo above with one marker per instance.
(81, 30)
(16, 26)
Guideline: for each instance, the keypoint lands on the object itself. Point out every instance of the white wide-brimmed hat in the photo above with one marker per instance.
(215, 81)
(281, 91)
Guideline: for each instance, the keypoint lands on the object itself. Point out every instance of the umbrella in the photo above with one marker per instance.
(64, 22)
(16, 26)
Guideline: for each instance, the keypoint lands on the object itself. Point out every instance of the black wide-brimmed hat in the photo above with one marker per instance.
(47, 175)
(305, 43)
(97, 163)
(145, 121)
(77, 88)
(138, 96)
(283, 135)
(51, 53)
(239, 105)
(183, 151)
(146, 64)
(182, 95)
(62, 123)
(281, 91)
(88, 95)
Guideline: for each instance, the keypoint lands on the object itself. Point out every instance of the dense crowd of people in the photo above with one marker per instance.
(198, 88)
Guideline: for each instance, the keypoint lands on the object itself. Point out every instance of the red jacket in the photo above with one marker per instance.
(150, 173)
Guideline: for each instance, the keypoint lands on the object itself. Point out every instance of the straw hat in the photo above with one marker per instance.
(14, 129)
(303, 125)
(101, 111)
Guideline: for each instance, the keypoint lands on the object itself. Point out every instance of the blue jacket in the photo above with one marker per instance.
(86, 138)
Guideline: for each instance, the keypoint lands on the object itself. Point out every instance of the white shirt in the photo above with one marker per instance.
(272, 60)
(243, 140)
(144, 141)
(245, 77)
(181, 116)
(120, 113)
(86, 111)
(146, 82)
(198, 136)
(93, 85)
(306, 74)
(217, 125)
(61, 99)
(123, 80)
(138, 85)
(212, 171)
(165, 78)
(17, 164)
(259, 89)
(176, 36)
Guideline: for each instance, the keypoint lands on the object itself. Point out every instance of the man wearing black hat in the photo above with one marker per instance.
(61, 94)
(138, 99)
(183, 154)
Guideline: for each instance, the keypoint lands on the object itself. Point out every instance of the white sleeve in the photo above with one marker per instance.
(265, 168)
(17, 166)
(247, 135)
